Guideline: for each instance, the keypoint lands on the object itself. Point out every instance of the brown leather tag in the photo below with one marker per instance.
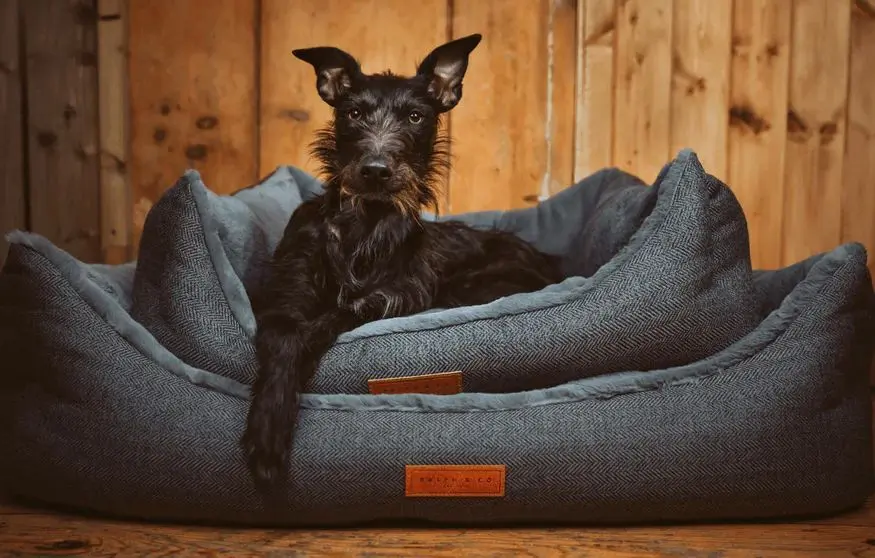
(484, 481)
(442, 383)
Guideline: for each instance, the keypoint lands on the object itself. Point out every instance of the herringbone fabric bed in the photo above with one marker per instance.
(680, 290)
(662, 381)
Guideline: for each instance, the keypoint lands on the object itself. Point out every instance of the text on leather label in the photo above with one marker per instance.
(454, 480)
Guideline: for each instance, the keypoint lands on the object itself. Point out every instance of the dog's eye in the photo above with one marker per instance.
(354, 114)
(415, 117)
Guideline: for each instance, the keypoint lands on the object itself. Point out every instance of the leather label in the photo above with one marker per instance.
(442, 383)
(483, 481)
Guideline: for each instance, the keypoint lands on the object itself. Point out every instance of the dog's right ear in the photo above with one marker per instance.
(444, 69)
(335, 71)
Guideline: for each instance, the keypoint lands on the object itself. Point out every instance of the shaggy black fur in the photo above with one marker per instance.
(360, 251)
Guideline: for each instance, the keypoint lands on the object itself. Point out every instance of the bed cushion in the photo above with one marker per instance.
(656, 276)
(776, 425)
(142, 417)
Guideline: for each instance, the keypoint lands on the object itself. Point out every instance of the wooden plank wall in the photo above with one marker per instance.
(774, 95)
(49, 113)
(60, 52)
(13, 210)
(858, 192)
(757, 137)
(763, 90)
(115, 222)
(193, 102)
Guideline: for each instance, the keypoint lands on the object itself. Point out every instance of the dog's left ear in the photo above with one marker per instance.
(335, 70)
(444, 69)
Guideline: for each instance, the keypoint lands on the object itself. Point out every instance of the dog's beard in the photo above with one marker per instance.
(410, 199)
(407, 200)
(421, 187)
(347, 193)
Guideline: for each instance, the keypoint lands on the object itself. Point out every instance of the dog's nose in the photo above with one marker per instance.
(376, 170)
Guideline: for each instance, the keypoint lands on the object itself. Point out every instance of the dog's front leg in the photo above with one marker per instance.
(298, 320)
(290, 343)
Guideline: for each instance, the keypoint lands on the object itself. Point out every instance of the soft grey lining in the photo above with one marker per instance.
(600, 387)
(554, 295)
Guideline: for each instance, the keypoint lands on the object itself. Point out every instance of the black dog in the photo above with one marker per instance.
(360, 252)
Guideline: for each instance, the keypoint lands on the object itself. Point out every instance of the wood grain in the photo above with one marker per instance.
(499, 127)
(594, 117)
(858, 195)
(702, 36)
(858, 200)
(642, 117)
(193, 96)
(816, 118)
(115, 208)
(12, 184)
(561, 84)
(291, 110)
(849, 534)
(758, 121)
(63, 142)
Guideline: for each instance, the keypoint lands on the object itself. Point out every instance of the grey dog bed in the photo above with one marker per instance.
(662, 380)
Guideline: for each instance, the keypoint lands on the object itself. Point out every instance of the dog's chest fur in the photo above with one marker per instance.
(367, 258)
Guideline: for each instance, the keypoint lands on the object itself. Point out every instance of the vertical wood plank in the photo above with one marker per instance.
(858, 200)
(12, 184)
(115, 207)
(642, 133)
(758, 119)
(594, 117)
(61, 50)
(291, 110)
(561, 83)
(816, 121)
(499, 127)
(702, 35)
(193, 97)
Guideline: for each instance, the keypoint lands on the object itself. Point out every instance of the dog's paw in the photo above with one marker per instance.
(377, 304)
(267, 444)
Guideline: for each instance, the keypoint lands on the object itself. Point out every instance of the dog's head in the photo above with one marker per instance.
(384, 143)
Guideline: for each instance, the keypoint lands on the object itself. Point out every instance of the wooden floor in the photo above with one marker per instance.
(32, 532)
